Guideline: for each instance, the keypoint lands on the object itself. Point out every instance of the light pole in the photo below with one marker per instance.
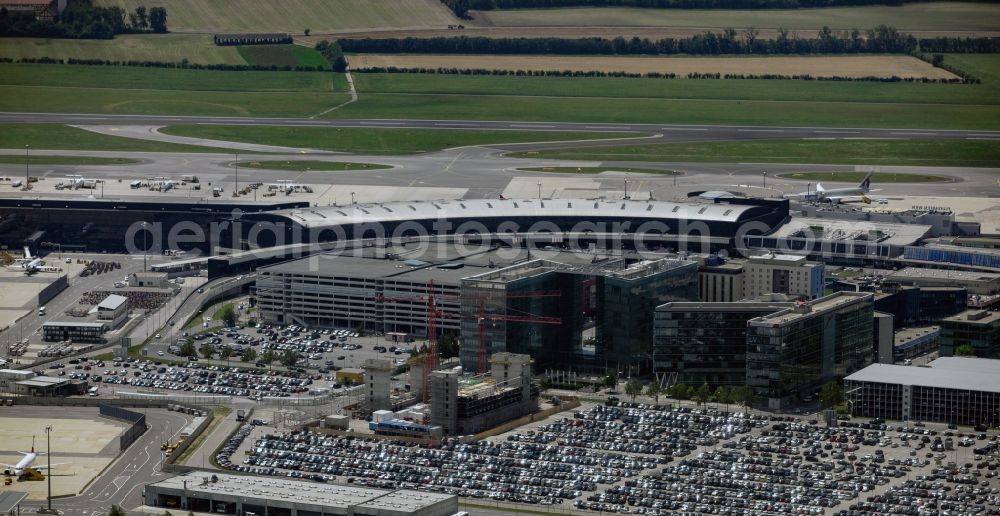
(237, 189)
(48, 453)
(764, 175)
(626, 189)
(27, 175)
(143, 246)
(353, 201)
(539, 190)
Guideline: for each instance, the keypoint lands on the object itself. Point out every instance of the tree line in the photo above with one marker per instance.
(183, 64)
(461, 8)
(882, 39)
(83, 20)
(333, 55)
(964, 77)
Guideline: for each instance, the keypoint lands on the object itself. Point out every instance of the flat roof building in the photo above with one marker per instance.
(979, 329)
(960, 390)
(706, 342)
(74, 331)
(985, 283)
(792, 352)
(238, 494)
(783, 274)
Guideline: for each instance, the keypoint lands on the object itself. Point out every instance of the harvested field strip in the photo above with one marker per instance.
(294, 16)
(167, 48)
(944, 16)
(839, 66)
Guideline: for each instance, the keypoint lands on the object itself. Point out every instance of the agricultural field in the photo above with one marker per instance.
(825, 66)
(704, 101)
(957, 153)
(196, 48)
(373, 141)
(132, 90)
(294, 16)
(282, 55)
(929, 16)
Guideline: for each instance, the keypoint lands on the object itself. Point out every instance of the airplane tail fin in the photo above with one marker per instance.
(866, 183)
(819, 187)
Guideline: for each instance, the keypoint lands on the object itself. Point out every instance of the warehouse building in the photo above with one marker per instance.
(847, 242)
(73, 331)
(240, 495)
(793, 352)
(982, 283)
(960, 390)
(113, 309)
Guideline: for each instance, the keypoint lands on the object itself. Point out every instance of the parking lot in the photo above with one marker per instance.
(641, 459)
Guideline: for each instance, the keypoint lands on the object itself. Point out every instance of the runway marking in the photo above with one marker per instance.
(531, 126)
(836, 132)
(914, 134)
(456, 125)
(609, 127)
(382, 123)
(760, 130)
(682, 129)
(995, 139)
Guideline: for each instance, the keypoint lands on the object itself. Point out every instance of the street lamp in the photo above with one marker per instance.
(27, 175)
(48, 453)
(144, 246)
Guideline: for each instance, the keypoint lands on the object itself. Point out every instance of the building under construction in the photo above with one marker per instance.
(455, 402)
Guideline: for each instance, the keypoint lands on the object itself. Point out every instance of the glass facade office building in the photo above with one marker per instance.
(791, 353)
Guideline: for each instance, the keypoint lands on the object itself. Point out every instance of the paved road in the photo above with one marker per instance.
(122, 483)
(687, 132)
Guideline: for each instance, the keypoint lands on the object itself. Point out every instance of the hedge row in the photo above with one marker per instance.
(461, 8)
(657, 75)
(184, 64)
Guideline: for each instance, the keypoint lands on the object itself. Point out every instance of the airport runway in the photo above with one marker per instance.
(483, 172)
(670, 131)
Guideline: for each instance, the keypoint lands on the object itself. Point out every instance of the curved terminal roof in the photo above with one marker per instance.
(323, 216)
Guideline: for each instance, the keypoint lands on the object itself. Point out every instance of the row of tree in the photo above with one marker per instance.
(183, 64)
(882, 39)
(333, 55)
(461, 8)
(83, 20)
(831, 394)
(207, 350)
(964, 78)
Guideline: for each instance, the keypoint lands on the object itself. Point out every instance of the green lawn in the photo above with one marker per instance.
(62, 137)
(598, 170)
(372, 141)
(857, 177)
(312, 166)
(157, 91)
(688, 101)
(172, 48)
(968, 153)
(942, 16)
(66, 160)
(282, 55)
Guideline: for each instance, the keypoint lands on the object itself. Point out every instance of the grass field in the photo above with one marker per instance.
(748, 102)
(312, 166)
(294, 16)
(944, 16)
(598, 170)
(66, 160)
(282, 55)
(964, 153)
(196, 48)
(62, 137)
(857, 177)
(131, 90)
(825, 66)
(371, 141)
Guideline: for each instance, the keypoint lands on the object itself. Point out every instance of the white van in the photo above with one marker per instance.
(92, 392)
(41, 310)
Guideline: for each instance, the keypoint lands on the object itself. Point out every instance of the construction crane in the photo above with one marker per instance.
(483, 317)
(434, 314)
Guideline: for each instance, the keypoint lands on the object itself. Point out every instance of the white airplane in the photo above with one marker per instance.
(838, 195)
(30, 264)
(76, 182)
(25, 463)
